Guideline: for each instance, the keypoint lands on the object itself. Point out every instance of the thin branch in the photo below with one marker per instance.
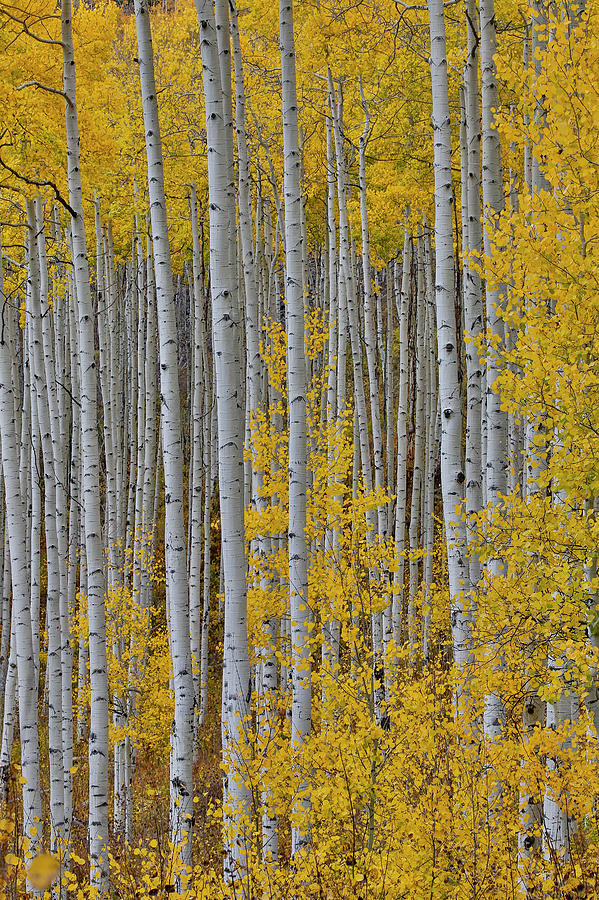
(65, 388)
(29, 33)
(407, 7)
(45, 87)
(35, 183)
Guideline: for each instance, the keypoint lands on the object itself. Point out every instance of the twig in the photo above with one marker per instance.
(45, 87)
(36, 183)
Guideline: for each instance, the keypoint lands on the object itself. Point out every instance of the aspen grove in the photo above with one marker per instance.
(299, 432)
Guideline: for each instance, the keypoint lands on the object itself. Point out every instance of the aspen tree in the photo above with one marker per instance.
(103, 305)
(402, 297)
(5, 623)
(207, 465)
(35, 521)
(98, 740)
(473, 312)
(198, 414)
(452, 475)
(60, 351)
(330, 627)
(150, 463)
(140, 545)
(41, 392)
(515, 437)
(21, 615)
(348, 291)
(9, 708)
(493, 204)
(419, 449)
(172, 456)
(431, 444)
(268, 664)
(226, 326)
(301, 715)
(54, 375)
(369, 336)
(74, 552)
(389, 386)
(77, 526)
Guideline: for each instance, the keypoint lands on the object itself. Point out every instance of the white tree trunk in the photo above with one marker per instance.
(301, 714)
(369, 335)
(98, 742)
(473, 311)
(402, 294)
(432, 445)
(418, 452)
(226, 327)
(10, 710)
(42, 390)
(198, 418)
(452, 474)
(330, 627)
(496, 418)
(172, 455)
(19, 563)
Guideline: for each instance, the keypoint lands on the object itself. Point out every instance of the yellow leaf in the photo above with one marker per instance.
(42, 871)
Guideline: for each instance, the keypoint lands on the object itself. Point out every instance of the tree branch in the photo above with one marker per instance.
(35, 183)
(45, 87)
(29, 33)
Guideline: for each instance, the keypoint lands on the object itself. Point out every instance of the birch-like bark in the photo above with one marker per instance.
(301, 714)
(10, 709)
(369, 335)
(389, 391)
(331, 627)
(35, 523)
(54, 373)
(21, 613)
(402, 294)
(493, 204)
(268, 663)
(151, 467)
(172, 455)
(73, 538)
(198, 416)
(418, 452)
(431, 445)
(452, 474)
(207, 463)
(6, 604)
(98, 739)
(226, 327)
(44, 401)
(473, 311)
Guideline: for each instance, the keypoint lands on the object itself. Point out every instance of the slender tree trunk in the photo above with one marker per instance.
(402, 291)
(198, 414)
(369, 335)
(98, 740)
(418, 454)
(172, 456)
(301, 714)
(21, 613)
(42, 390)
(226, 327)
(452, 474)
(473, 312)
